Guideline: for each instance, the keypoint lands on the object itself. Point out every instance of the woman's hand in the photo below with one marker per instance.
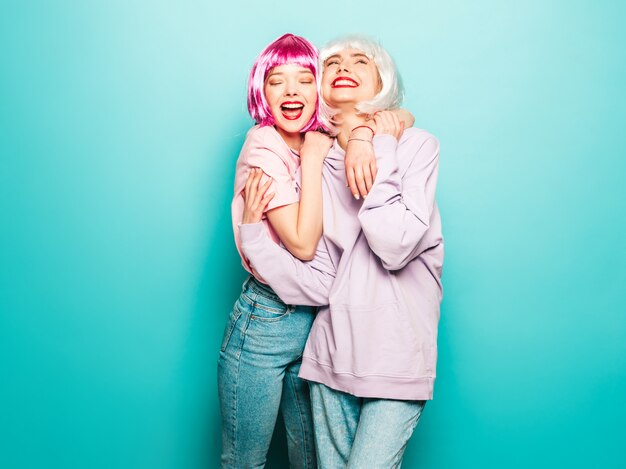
(388, 123)
(405, 116)
(360, 161)
(315, 146)
(254, 199)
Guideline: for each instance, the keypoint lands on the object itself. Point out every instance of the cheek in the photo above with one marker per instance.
(326, 80)
(270, 95)
(311, 96)
(374, 83)
(378, 81)
(325, 88)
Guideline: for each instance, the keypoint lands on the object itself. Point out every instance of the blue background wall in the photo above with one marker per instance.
(120, 123)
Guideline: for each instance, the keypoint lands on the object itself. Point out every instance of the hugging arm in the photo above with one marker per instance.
(396, 213)
(299, 225)
(360, 160)
(294, 281)
(295, 218)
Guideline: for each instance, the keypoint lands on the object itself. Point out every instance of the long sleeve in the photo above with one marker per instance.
(396, 213)
(294, 281)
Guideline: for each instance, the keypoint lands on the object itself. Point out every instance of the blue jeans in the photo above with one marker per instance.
(359, 433)
(258, 374)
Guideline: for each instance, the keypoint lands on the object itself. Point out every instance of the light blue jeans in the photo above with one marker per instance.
(258, 374)
(357, 433)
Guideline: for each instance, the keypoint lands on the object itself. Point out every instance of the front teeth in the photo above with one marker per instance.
(292, 106)
(344, 83)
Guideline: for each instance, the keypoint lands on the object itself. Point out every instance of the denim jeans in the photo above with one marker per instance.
(359, 433)
(258, 374)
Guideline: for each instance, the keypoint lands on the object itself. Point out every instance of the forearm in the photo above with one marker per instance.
(396, 214)
(294, 281)
(309, 224)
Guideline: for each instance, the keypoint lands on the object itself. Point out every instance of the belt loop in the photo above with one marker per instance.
(246, 283)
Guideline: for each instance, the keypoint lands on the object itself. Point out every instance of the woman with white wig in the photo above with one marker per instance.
(371, 354)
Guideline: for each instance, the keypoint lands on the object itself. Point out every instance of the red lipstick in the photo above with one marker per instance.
(344, 82)
(292, 110)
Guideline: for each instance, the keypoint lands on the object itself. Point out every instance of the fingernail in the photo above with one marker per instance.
(356, 196)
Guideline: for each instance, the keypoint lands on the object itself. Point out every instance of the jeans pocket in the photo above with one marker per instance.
(230, 325)
(265, 313)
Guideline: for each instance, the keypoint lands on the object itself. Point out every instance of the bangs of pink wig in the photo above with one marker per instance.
(288, 49)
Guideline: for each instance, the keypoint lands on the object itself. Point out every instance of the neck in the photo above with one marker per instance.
(346, 121)
(292, 139)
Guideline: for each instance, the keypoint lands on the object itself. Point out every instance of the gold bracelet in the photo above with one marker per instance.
(359, 139)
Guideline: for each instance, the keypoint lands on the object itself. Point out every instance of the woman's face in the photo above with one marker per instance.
(349, 77)
(291, 93)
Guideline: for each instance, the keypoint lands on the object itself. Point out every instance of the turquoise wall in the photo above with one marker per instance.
(120, 123)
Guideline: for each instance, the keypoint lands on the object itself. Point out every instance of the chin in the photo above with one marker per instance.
(290, 127)
(343, 98)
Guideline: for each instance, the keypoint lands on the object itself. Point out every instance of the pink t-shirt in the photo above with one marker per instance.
(264, 148)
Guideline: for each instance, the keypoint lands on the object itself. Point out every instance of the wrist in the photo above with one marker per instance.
(362, 133)
(361, 130)
(311, 159)
(353, 139)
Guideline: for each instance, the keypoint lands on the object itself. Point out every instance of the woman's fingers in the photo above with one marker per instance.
(352, 182)
(373, 170)
(393, 116)
(258, 176)
(256, 197)
(266, 185)
(378, 123)
(246, 193)
(266, 200)
(262, 190)
(389, 123)
(253, 192)
(402, 126)
(395, 122)
(384, 122)
(367, 177)
(360, 181)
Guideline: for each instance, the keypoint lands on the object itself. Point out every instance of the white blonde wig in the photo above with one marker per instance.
(391, 93)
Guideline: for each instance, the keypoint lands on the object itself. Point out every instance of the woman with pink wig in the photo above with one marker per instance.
(262, 346)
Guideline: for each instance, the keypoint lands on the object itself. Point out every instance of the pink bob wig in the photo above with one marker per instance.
(286, 50)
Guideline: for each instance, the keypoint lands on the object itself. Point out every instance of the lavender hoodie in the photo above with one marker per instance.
(376, 274)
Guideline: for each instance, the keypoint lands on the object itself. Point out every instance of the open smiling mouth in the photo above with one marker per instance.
(343, 82)
(292, 110)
